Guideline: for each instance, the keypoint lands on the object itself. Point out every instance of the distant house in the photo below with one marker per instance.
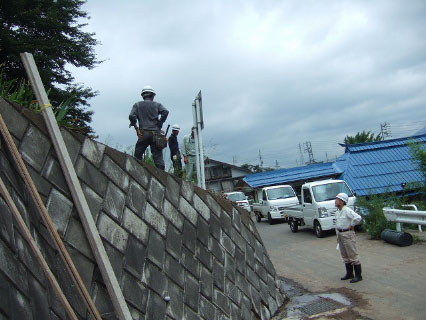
(368, 168)
(221, 176)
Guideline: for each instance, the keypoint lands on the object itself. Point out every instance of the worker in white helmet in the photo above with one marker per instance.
(148, 117)
(346, 220)
(174, 150)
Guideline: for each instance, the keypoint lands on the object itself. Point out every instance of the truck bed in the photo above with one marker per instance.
(295, 211)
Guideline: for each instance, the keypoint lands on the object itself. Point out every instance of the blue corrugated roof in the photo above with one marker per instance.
(282, 176)
(379, 167)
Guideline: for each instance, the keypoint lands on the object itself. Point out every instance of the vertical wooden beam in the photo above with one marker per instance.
(108, 275)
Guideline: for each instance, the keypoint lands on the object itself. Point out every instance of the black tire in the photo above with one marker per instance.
(318, 230)
(258, 217)
(294, 226)
(270, 219)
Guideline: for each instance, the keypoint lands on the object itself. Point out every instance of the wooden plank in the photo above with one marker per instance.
(23, 171)
(116, 295)
(28, 238)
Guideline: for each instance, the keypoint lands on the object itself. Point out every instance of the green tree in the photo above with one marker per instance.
(418, 156)
(255, 168)
(52, 31)
(361, 137)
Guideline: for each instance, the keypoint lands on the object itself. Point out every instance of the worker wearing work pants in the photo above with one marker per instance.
(189, 155)
(346, 220)
(146, 140)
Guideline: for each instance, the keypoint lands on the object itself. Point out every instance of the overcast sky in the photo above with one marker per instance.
(273, 74)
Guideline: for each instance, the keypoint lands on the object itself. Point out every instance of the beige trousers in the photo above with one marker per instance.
(347, 246)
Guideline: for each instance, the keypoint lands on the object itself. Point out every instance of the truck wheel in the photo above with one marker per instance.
(318, 230)
(270, 219)
(294, 226)
(258, 217)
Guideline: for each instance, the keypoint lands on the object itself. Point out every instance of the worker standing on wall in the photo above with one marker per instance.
(346, 220)
(174, 151)
(150, 116)
(189, 155)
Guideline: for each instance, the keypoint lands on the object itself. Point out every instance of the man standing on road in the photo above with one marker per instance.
(174, 151)
(150, 115)
(346, 220)
(189, 155)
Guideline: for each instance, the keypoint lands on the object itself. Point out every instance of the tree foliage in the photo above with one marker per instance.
(418, 154)
(361, 137)
(52, 31)
(255, 168)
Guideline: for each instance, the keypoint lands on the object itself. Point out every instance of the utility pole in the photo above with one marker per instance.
(276, 164)
(234, 160)
(301, 155)
(260, 159)
(385, 130)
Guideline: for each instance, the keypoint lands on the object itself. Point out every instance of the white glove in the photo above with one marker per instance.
(175, 157)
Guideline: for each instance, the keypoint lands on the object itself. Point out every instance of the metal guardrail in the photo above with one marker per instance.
(406, 216)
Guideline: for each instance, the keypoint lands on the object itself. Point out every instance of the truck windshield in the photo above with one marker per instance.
(329, 191)
(238, 196)
(280, 193)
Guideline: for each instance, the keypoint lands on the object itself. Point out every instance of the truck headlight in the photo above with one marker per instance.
(322, 212)
(273, 209)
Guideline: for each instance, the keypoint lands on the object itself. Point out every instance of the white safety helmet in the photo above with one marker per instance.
(147, 90)
(175, 127)
(343, 196)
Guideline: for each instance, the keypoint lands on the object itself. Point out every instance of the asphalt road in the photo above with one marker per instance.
(394, 278)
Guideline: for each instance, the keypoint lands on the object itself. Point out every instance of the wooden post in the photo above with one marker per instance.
(39, 256)
(80, 202)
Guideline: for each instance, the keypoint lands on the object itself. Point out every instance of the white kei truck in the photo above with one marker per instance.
(271, 201)
(317, 210)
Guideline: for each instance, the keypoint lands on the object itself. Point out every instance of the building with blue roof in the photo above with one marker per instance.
(368, 168)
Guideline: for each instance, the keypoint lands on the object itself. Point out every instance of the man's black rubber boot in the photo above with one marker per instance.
(358, 277)
(349, 272)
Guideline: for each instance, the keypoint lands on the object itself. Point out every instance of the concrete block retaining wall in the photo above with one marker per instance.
(164, 237)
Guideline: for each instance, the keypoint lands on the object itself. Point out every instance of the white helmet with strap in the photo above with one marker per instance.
(147, 90)
(343, 196)
(175, 127)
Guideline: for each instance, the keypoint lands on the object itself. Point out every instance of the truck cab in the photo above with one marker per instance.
(317, 210)
(271, 201)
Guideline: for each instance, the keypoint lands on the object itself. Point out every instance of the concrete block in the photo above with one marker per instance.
(135, 225)
(134, 292)
(188, 211)
(94, 201)
(102, 300)
(230, 267)
(42, 185)
(27, 257)
(268, 264)
(175, 306)
(134, 257)
(174, 270)
(187, 190)
(240, 261)
(112, 232)
(226, 223)
(246, 312)
(114, 201)
(172, 214)
(155, 194)
(156, 307)
(189, 314)
(172, 190)
(72, 144)
(239, 241)
(249, 256)
(90, 175)
(174, 242)
(34, 148)
(189, 236)
(232, 292)
(261, 271)
(236, 219)
(52, 171)
(213, 205)
(76, 237)
(59, 208)
(235, 311)
(84, 266)
(156, 248)
(192, 292)
(154, 279)
(203, 232)
(6, 224)
(20, 307)
(15, 122)
(93, 151)
(271, 284)
(218, 275)
(4, 296)
(136, 198)
(22, 208)
(116, 258)
(137, 171)
(255, 299)
(201, 207)
(215, 227)
(242, 283)
(216, 249)
(221, 301)
(207, 309)
(190, 262)
(264, 292)
(204, 255)
(247, 235)
(265, 314)
(227, 243)
(272, 305)
(259, 250)
(115, 173)
(206, 283)
(155, 219)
